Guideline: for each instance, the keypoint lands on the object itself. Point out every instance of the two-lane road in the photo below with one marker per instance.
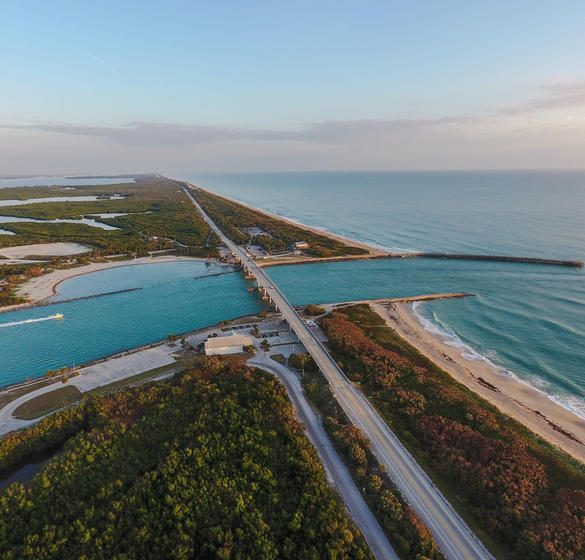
(452, 534)
(359, 510)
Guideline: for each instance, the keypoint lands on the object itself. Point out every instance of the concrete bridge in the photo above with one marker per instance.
(452, 534)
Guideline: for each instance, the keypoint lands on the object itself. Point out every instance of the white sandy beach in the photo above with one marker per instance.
(519, 400)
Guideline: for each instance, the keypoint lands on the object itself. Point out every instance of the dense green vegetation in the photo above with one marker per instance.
(313, 309)
(208, 464)
(160, 218)
(303, 362)
(232, 218)
(47, 402)
(528, 497)
(405, 530)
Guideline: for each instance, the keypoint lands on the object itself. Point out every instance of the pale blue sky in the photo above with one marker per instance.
(291, 85)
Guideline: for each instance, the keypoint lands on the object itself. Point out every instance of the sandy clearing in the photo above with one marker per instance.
(519, 400)
(44, 249)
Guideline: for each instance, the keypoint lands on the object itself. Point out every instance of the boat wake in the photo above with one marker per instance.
(16, 323)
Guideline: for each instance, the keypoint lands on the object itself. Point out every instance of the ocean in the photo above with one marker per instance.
(527, 320)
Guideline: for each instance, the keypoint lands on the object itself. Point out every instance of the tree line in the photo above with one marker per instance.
(208, 464)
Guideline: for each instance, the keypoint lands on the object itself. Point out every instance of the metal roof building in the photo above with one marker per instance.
(231, 344)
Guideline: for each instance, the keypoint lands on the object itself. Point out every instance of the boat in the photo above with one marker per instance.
(58, 316)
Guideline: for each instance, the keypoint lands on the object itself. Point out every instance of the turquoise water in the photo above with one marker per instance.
(170, 301)
(544, 346)
(526, 319)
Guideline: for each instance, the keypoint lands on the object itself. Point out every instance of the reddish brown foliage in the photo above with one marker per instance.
(514, 477)
(374, 359)
(562, 535)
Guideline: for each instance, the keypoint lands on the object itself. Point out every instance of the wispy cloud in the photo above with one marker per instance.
(95, 57)
(555, 96)
(502, 138)
(326, 132)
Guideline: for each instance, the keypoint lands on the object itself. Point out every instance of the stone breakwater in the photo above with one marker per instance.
(47, 303)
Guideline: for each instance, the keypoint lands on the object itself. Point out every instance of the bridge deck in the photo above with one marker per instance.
(452, 534)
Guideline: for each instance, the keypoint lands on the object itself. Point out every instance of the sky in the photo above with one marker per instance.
(229, 86)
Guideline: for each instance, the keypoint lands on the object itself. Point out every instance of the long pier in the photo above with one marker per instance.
(214, 274)
(453, 256)
(502, 258)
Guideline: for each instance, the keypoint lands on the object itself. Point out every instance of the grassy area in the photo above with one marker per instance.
(58, 398)
(136, 379)
(48, 402)
(278, 358)
(9, 396)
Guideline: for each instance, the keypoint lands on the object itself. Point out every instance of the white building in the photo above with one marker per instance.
(231, 344)
(299, 245)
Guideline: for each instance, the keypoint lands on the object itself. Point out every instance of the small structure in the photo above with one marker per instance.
(231, 344)
(300, 245)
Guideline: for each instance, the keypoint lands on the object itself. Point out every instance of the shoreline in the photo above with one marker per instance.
(531, 407)
(45, 287)
(373, 249)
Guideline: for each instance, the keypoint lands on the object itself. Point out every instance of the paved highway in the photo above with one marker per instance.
(359, 510)
(452, 534)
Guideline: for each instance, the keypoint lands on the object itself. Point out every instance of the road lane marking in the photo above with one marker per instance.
(327, 361)
(405, 472)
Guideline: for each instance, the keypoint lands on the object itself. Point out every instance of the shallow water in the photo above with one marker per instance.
(15, 202)
(87, 221)
(171, 301)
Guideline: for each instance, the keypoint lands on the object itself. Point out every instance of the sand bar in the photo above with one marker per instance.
(519, 400)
